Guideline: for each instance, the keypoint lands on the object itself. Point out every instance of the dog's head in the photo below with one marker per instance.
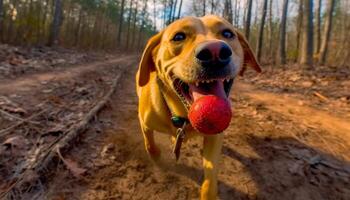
(196, 57)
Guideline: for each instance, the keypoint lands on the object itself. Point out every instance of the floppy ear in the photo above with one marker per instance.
(147, 65)
(249, 57)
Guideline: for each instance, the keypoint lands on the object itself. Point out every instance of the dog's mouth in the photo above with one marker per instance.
(190, 92)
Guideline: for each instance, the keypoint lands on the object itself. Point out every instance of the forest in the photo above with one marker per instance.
(296, 31)
(69, 126)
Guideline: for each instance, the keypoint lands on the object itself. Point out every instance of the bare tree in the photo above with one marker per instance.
(204, 6)
(318, 26)
(129, 24)
(327, 31)
(56, 23)
(270, 30)
(248, 18)
(307, 44)
(299, 28)
(261, 30)
(134, 25)
(142, 26)
(174, 11)
(121, 19)
(154, 15)
(282, 39)
(179, 11)
(1, 17)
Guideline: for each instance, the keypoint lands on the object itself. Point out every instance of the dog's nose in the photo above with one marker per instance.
(213, 52)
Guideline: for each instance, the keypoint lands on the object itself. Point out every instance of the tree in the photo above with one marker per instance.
(56, 23)
(261, 31)
(270, 30)
(318, 26)
(299, 28)
(179, 11)
(121, 20)
(134, 25)
(204, 6)
(282, 40)
(143, 16)
(307, 44)
(227, 14)
(129, 23)
(327, 31)
(1, 18)
(248, 18)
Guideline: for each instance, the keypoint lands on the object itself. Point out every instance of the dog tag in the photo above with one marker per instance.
(180, 136)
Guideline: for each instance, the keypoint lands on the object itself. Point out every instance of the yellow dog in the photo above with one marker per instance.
(190, 58)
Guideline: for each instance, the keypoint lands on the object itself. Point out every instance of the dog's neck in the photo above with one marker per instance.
(172, 100)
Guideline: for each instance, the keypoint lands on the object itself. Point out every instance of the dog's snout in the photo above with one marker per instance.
(211, 52)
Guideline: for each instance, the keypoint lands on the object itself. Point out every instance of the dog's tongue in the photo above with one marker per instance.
(214, 88)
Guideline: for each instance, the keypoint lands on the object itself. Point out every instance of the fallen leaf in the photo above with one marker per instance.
(72, 166)
(15, 142)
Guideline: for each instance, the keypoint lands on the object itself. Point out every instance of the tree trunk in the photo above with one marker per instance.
(56, 23)
(204, 6)
(248, 19)
(261, 31)
(134, 26)
(236, 16)
(1, 19)
(271, 32)
(129, 23)
(77, 30)
(318, 26)
(307, 45)
(179, 11)
(282, 39)
(174, 11)
(327, 31)
(299, 28)
(154, 14)
(121, 19)
(213, 7)
(142, 24)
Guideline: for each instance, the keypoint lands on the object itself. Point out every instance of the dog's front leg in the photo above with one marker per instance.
(211, 156)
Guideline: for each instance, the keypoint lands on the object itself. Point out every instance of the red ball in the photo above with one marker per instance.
(210, 114)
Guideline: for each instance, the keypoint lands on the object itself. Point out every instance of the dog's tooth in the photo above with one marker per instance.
(197, 83)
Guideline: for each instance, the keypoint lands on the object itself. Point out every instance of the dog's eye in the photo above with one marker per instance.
(179, 37)
(227, 34)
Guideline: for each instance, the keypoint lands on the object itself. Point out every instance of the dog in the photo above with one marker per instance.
(191, 57)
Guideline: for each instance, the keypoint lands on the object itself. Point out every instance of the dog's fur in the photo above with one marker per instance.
(164, 59)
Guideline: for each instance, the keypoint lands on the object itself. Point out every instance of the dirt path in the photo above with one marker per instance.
(267, 154)
(275, 148)
(299, 112)
(28, 82)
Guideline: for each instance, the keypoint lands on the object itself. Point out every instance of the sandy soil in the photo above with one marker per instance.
(275, 148)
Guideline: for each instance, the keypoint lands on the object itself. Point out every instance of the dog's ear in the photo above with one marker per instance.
(147, 64)
(249, 57)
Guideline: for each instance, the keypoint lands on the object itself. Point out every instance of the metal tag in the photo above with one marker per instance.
(180, 136)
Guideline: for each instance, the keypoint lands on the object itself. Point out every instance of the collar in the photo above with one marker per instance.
(179, 122)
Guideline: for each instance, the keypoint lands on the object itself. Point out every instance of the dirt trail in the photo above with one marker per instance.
(298, 111)
(273, 149)
(26, 83)
(267, 154)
